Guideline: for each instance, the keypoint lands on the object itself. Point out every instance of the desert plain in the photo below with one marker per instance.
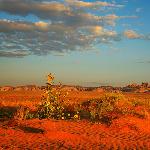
(130, 132)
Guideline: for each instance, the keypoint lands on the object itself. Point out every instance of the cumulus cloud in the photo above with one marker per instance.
(112, 18)
(42, 25)
(65, 11)
(7, 26)
(52, 9)
(11, 26)
(96, 4)
(62, 26)
(57, 39)
(100, 32)
(130, 34)
(96, 30)
(41, 9)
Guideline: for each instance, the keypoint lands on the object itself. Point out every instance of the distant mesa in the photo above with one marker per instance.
(6, 88)
(69, 88)
(132, 88)
(20, 88)
(27, 88)
(99, 90)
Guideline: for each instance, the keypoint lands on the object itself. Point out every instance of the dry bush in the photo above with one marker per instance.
(140, 112)
(21, 113)
(141, 108)
(102, 109)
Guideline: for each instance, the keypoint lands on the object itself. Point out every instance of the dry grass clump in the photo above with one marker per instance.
(23, 112)
(141, 108)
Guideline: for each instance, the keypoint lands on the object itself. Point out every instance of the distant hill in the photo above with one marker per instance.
(136, 88)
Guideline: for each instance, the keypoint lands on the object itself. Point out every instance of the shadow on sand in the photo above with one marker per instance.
(31, 129)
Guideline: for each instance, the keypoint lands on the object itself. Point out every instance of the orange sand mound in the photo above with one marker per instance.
(124, 133)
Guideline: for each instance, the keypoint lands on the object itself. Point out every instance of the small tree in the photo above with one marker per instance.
(52, 104)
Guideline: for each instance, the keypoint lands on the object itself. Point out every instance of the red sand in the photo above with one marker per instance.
(126, 133)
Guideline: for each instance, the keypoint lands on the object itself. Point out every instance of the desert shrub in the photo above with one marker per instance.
(17, 112)
(140, 108)
(70, 111)
(50, 109)
(112, 106)
(147, 104)
(142, 102)
(104, 109)
(22, 113)
(140, 112)
(101, 109)
(135, 107)
(124, 107)
(53, 105)
(136, 102)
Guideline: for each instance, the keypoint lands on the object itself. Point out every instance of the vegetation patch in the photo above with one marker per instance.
(55, 105)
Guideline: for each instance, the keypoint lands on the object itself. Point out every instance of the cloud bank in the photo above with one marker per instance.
(62, 26)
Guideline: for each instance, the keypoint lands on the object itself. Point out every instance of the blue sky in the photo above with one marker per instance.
(88, 43)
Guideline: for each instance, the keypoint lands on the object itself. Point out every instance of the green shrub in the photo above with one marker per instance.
(102, 109)
(52, 105)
